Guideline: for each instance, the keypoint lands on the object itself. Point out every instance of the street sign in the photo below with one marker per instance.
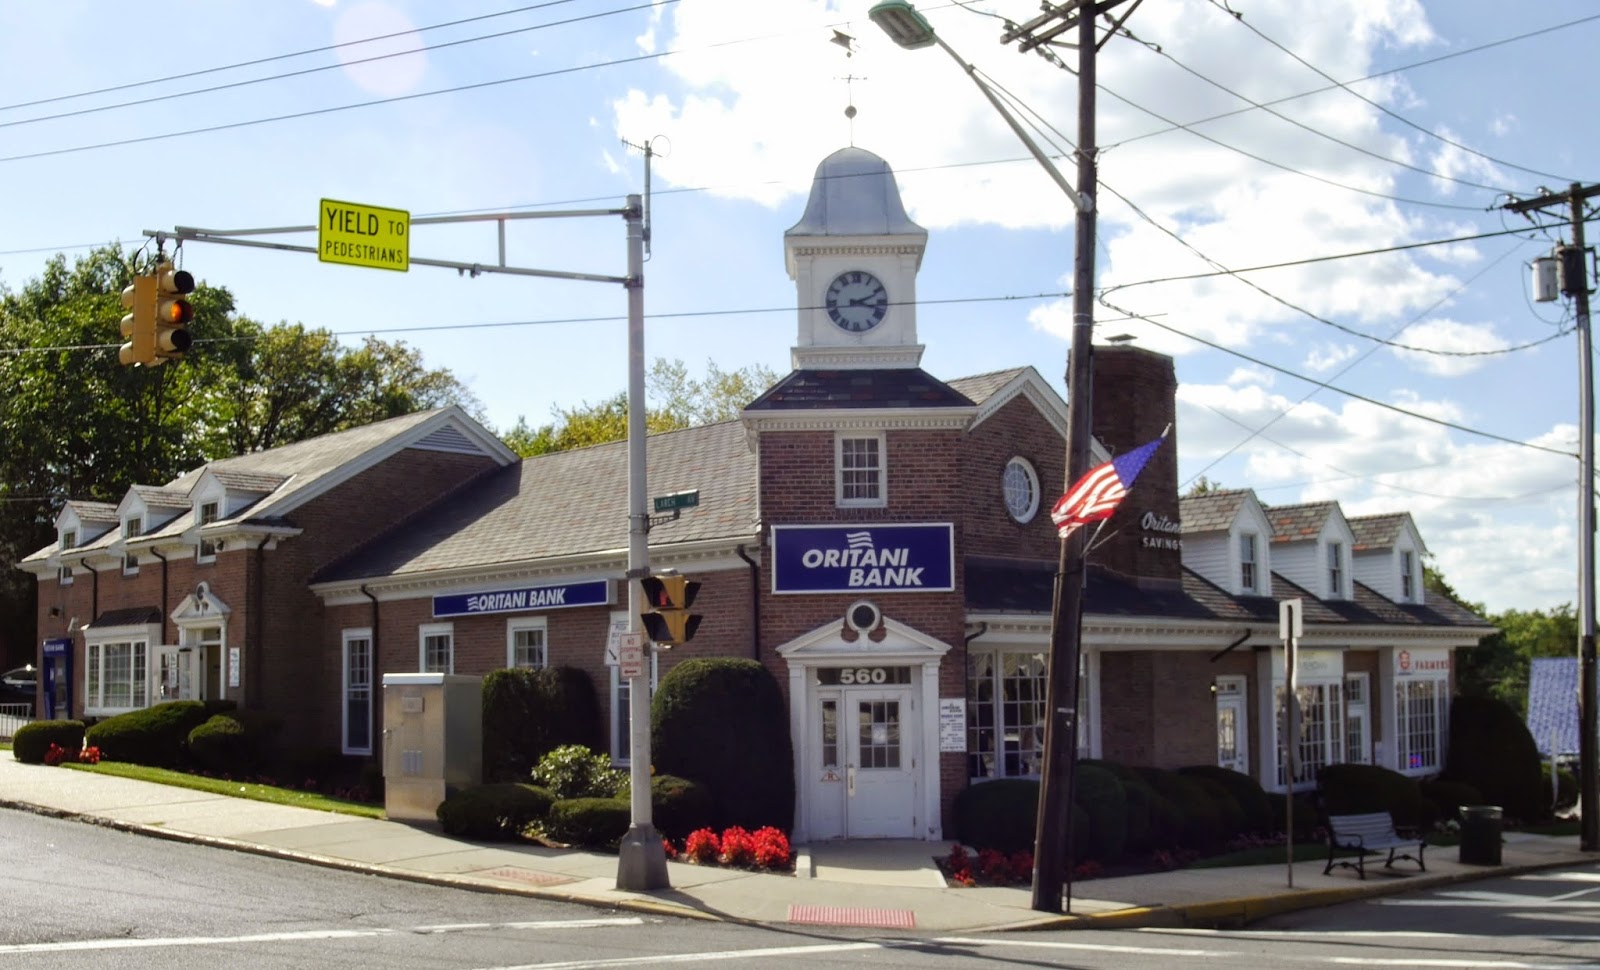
(619, 629)
(630, 657)
(678, 500)
(363, 235)
(1291, 620)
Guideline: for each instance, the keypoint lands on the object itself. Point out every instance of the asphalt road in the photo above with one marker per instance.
(74, 895)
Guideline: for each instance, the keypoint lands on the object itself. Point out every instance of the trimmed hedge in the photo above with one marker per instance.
(234, 742)
(1443, 799)
(156, 736)
(1000, 814)
(723, 722)
(495, 811)
(529, 713)
(1492, 750)
(1246, 792)
(1350, 789)
(1100, 796)
(1307, 817)
(589, 822)
(1201, 818)
(32, 740)
(678, 806)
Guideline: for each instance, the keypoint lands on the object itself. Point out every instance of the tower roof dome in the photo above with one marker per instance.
(854, 194)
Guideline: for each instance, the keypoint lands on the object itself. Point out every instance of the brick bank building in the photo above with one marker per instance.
(877, 537)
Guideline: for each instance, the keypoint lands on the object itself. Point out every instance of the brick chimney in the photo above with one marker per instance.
(1134, 399)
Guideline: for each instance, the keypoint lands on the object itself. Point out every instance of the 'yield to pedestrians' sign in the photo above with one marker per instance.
(363, 235)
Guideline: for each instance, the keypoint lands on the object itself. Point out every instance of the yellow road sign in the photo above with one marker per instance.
(363, 235)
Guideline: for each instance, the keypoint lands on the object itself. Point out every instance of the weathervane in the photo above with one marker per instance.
(848, 43)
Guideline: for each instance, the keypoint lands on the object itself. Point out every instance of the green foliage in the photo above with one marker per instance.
(589, 822)
(1000, 814)
(1247, 793)
(1203, 822)
(573, 771)
(1491, 750)
(1350, 789)
(528, 713)
(32, 740)
(1498, 666)
(234, 742)
(723, 722)
(1444, 798)
(497, 811)
(1566, 790)
(156, 736)
(1100, 796)
(1306, 814)
(678, 806)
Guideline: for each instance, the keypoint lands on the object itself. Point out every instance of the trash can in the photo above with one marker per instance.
(1480, 835)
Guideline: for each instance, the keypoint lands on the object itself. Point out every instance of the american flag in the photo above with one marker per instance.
(1098, 493)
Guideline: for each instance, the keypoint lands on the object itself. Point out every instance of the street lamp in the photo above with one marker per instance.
(1052, 836)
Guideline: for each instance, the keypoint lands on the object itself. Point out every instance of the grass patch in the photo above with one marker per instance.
(234, 789)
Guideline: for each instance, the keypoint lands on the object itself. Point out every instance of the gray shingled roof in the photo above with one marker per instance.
(979, 387)
(1377, 531)
(162, 498)
(1293, 523)
(854, 194)
(1211, 512)
(248, 481)
(897, 387)
(93, 511)
(570, 503)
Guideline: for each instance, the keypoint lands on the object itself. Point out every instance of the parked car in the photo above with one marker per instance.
(19, 684)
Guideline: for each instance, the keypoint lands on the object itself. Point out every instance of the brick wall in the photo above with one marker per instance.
(1017, 429)
(1134, 399)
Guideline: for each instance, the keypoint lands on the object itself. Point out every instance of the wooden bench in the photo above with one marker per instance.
(1367, 834)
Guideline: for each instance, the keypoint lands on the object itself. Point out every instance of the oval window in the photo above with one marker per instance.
(1020, 487)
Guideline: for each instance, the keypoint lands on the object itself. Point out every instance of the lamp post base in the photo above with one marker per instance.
(641, 860)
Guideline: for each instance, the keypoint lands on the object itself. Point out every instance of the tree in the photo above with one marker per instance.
(1203, 486)
(1498, 666)
(682, 402)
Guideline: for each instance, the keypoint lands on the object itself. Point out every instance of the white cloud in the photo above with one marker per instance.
(1452, 162)
(1326, 357)
(1449, 336)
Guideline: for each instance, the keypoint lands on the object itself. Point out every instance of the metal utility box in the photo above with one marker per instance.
(432, 741)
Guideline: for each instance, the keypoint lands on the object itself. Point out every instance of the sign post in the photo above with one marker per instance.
(1291, 626)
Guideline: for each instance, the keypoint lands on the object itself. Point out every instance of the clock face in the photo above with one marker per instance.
(856, 301)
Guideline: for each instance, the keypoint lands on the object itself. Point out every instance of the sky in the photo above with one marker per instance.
(1400, 365)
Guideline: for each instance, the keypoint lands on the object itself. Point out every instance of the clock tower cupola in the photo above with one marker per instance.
(854, 257)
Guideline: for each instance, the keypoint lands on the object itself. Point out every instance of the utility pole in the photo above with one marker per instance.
(1575, 283)
(1052, 870)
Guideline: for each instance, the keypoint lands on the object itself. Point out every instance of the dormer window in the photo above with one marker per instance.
(69, 538)
(1335, 570)
(1247, 562)
(207, 513)
(1408, 582)
(859, 470)
(130, 529)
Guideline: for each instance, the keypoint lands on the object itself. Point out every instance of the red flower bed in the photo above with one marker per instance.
(765, 848)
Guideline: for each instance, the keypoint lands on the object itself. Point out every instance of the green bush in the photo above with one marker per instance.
(1445, 798)
(723, 722)
(1000, 814)
(496, 811)
(1104, 803)
(1307, 816)
(573, 771)
(1566, 792)
(1200, 819)
(529, 713)
(678, 806)
(589, 822)
(1230, 815)
(1246, 791)
(233, 743)
(1152, 823)
(1492, 750)
(1349, 789)
(33, 739)
(156, 736)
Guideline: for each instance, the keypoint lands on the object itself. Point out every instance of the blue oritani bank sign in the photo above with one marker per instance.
(863, 558)
(593, 593)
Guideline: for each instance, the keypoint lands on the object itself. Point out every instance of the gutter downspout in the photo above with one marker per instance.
(94, 592)
(755, 603)
(1247, 634)
(982, 629)
(252, 686)
(365, 592)
(158, 555)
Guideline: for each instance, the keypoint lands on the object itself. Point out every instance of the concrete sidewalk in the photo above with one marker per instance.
(887, 885)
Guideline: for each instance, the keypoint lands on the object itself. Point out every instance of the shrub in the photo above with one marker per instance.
(33, 739)
(702, 845)
(233, 742)
(156, 736)
(589, 822)
(1247, 793)
(1098, 792)
(1492, 750)
(999, 814)
(770, 849)
(573, 771)
(1445, 798)
(529, 713)
(1307, 816)
(1350, 789)
(494, 811)
(678, 806)
(723, 722)
(1200, 820)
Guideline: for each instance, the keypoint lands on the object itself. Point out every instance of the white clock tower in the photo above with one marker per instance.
(854, 257)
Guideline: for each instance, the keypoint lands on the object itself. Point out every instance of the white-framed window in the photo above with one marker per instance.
(205, 514)
(525, 642)
(1335, 570)
(357, 708)
(1247, 562)
(621, 698)
(1321, 730)
(69, 538)
(1019, 485)
(116, 673)
(131, 527)
(436, 648)
(1408, 580)
(859, 470)
(1421, 707)
(1006, 713)
(1233, 729)
(1357, 720)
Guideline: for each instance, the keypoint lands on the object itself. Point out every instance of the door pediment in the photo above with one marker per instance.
(828, 643)
(201, 606)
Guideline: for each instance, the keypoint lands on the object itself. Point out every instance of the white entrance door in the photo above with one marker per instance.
(1233, 731)
(880, 755)
(180, 674)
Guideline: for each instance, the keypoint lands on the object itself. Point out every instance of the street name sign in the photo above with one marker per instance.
(363, 235)
(677, 500)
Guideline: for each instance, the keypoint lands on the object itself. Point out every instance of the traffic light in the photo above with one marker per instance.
(667, 598)
(172, 312)
(139, 326)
